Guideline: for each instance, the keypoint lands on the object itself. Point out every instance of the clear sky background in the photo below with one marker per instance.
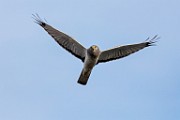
(38, 79)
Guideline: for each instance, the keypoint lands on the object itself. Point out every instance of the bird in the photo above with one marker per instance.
(93, 55)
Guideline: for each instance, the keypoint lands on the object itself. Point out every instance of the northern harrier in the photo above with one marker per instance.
(91, 56)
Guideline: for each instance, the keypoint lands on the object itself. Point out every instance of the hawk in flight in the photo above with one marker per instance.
(92, 55)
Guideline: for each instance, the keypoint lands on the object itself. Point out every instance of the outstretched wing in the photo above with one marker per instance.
(122, 51)
(62, 39)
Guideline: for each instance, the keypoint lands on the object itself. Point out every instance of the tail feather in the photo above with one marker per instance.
(83, 79)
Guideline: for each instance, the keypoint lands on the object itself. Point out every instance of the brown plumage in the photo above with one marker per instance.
(91, 56)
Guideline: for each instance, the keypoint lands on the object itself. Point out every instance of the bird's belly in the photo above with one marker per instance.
(90, 63)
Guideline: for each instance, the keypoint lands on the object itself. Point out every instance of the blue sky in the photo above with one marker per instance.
(38, 78)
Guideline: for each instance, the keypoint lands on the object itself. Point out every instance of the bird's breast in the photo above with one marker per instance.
(90, 61)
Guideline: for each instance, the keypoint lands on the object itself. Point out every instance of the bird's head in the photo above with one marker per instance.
(94, 47)
(94, 50)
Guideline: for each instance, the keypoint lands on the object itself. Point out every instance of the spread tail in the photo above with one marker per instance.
(84, 77)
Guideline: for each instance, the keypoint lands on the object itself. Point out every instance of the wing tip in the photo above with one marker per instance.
(151, 42)
(38, 20)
